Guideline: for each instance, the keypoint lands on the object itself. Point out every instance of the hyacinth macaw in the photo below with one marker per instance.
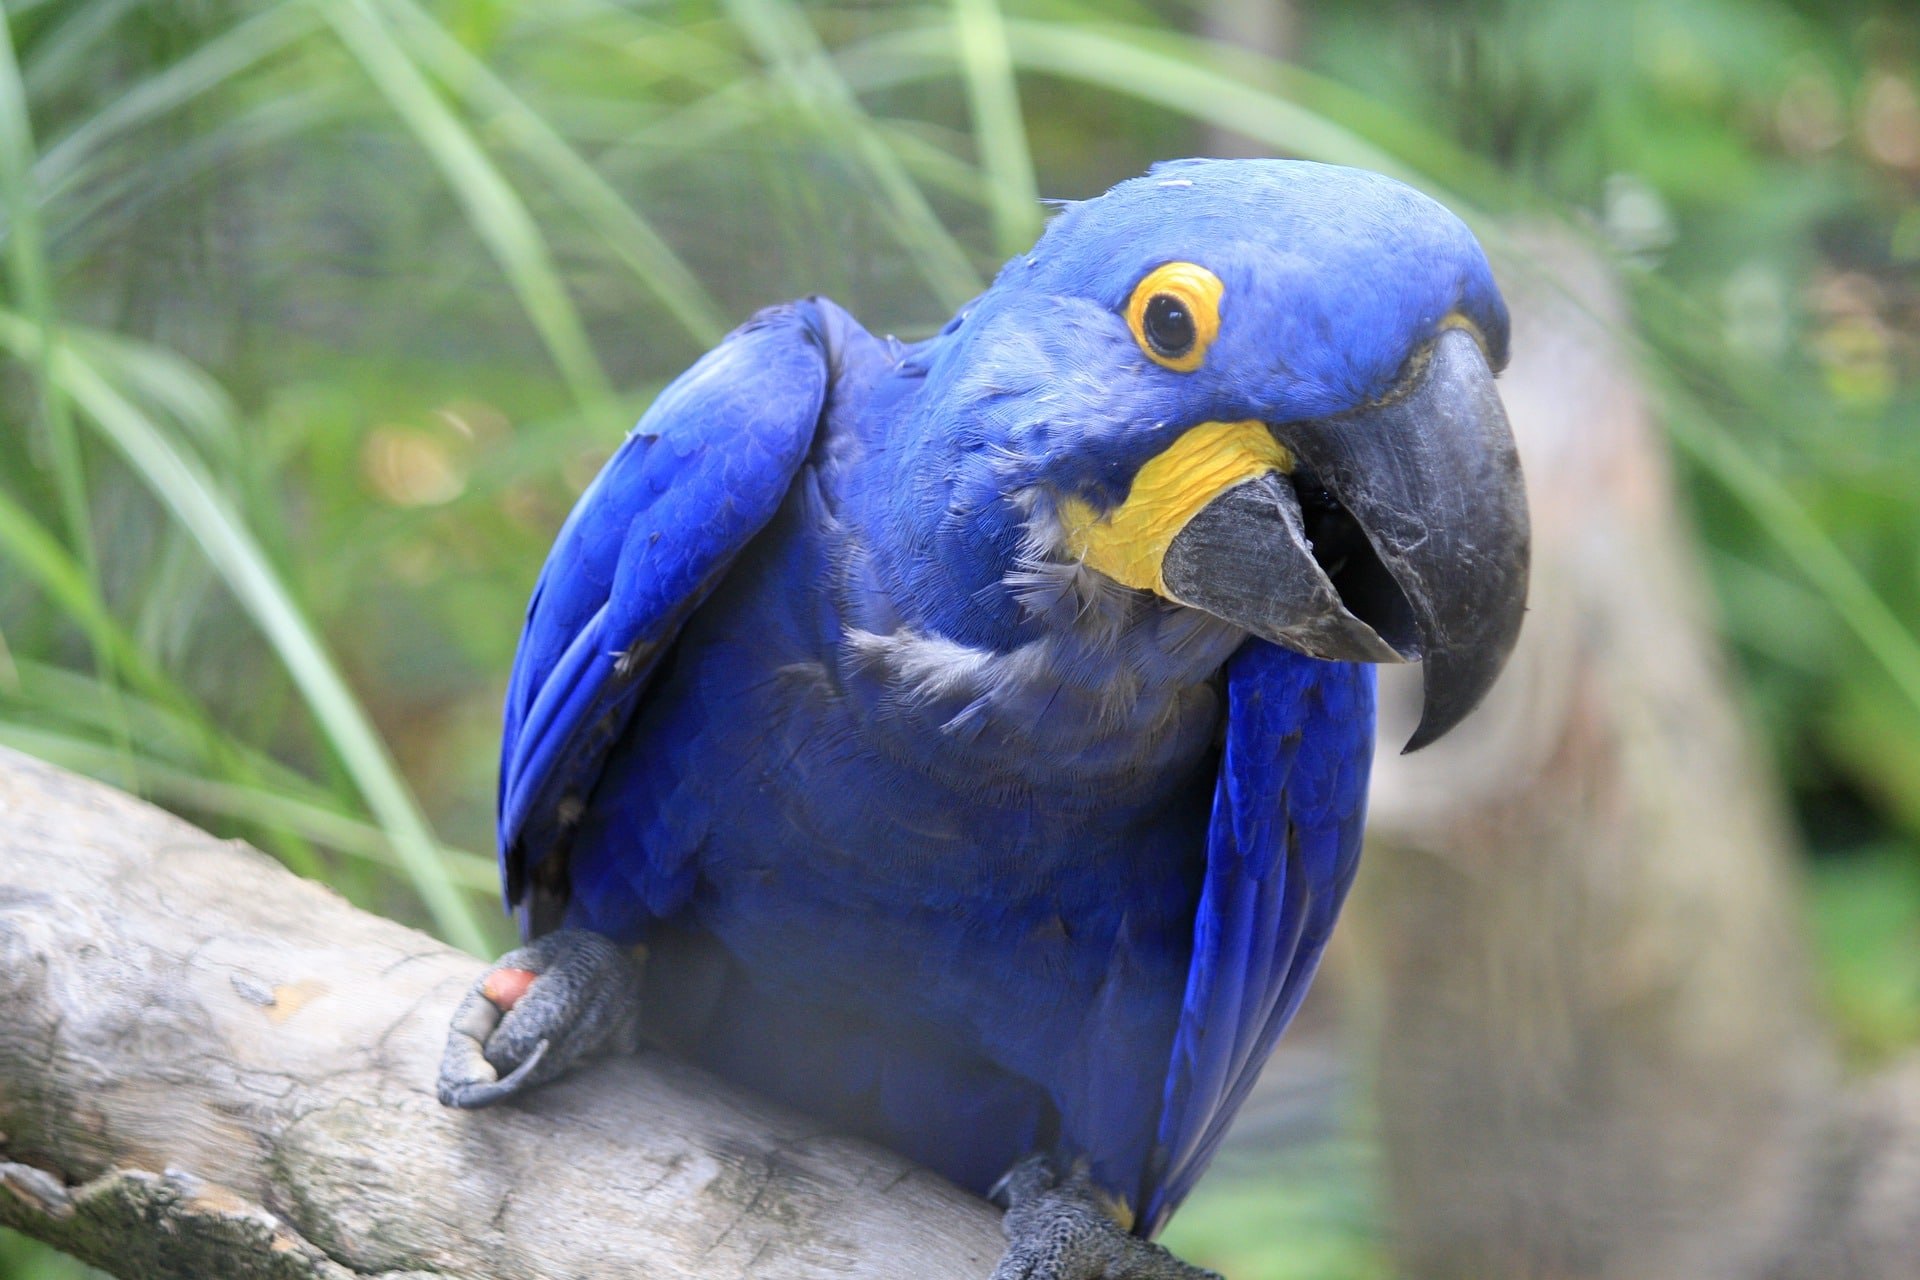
(970, 737)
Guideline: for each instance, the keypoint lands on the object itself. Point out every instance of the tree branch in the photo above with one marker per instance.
(211, 1067)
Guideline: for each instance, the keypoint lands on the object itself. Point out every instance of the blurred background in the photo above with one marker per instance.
(317, 315)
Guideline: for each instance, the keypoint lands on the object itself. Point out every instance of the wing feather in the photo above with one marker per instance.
(1282, 845)
(705, 470)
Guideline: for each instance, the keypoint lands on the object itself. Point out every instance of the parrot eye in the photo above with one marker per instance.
(1168, 327)
(1175, 314)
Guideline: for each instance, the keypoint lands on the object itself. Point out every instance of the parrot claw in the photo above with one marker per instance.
(536, 1013)
(1060, 1228)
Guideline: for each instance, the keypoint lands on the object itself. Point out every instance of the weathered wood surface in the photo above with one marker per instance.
(1598, 1051)
(209, 1067)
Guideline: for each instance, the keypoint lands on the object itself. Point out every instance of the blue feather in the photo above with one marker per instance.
(695, 480)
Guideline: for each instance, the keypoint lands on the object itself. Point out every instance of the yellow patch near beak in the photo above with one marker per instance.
(1129, 542)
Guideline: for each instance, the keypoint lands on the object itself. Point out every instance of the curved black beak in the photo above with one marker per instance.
(1402, 535)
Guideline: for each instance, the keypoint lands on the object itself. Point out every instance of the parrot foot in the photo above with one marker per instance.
(1060, 1228)
(538, 1011)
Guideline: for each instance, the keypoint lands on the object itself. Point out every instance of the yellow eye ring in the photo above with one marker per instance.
(1174, 314)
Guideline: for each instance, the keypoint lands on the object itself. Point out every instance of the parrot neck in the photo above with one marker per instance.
(937, 500)
(961, 614)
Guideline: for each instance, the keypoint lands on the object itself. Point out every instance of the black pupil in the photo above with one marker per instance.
(1169, 326)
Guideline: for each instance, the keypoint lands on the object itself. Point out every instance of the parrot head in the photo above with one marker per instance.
(1264, 390)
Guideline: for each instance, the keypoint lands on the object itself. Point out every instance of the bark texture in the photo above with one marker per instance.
(209, 1067)
(1599, 1055)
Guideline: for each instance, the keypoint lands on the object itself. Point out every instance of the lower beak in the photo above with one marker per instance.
(1400, 536)
(1246, 557)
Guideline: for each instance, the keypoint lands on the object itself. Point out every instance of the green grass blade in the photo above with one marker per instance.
(1786, 521)
(33, 291)
(782, 36)
(27, 269)
(61, 52)
(645, 252)
(1275, 103)
(184, 393)
(96, 214)
(257, 805)
(214, 64)
(32, 552)
(935, 166)
(745, 101)
(47, 694)
(495, 211)
(1196, 87)
(178, 481)
(172, 714)
(39, 557)
(986, 65)
(86, 702)
(689, 130)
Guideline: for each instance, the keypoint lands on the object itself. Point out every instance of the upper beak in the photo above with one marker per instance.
(1401, 535)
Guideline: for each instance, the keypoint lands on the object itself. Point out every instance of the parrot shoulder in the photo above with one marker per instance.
(701, 474)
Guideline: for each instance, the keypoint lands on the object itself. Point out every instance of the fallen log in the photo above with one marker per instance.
(210, 1067)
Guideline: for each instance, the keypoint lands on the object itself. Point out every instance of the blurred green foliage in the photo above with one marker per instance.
(1308, 1216)
(318, 313)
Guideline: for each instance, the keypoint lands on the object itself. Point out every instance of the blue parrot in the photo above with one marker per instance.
(967, 741)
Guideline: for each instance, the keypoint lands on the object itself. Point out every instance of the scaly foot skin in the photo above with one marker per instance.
(1059, 1229)
(537, 1012)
